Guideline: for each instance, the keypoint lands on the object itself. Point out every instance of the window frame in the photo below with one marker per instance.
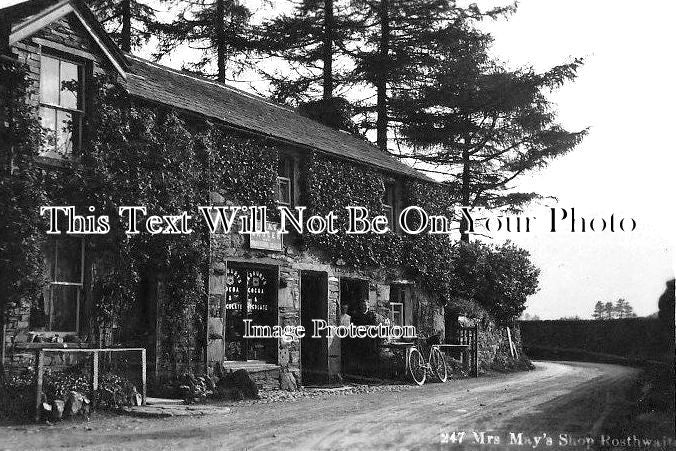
(51, 151)
(389, 201)
(393, 312)
(55, 283)
(289, 162)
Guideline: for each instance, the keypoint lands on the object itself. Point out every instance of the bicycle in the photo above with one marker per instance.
(418, 368)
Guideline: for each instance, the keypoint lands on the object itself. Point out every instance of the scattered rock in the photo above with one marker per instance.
(58, 406)
(74, 403)
(242, 380)
(194, 389)
(287, 381)
(237, 385)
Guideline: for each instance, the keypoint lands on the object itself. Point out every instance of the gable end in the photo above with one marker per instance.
(40, 21)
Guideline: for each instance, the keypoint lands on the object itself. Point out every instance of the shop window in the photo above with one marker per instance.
(285, 181)
(61, 106)
(62, 296)
(250, 294)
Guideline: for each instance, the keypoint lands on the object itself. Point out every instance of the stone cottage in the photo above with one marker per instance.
(271, 279)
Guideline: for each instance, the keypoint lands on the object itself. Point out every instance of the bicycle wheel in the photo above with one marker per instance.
(438, 364)
(417, 367)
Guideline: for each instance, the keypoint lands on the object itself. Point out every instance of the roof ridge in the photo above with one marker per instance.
(214, 83)
(363, 150)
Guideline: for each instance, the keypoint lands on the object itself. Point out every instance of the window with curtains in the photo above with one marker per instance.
(61, 105)
(62, 295)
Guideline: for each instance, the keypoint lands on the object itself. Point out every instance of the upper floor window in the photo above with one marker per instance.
(285, 181)
(389, 204)
(61, 105)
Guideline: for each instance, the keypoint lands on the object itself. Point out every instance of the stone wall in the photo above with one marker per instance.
(291, 261)
(335, 362)
(64, 35)
(18, 317)
(170, 359)
(178, 354)
(288, 306)
(494, 352)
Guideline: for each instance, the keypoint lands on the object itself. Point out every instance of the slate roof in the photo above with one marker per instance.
(252, 113)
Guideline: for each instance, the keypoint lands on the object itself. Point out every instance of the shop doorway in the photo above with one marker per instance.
(354, 352)
(352, 293)
(250, 293)
(314, 305)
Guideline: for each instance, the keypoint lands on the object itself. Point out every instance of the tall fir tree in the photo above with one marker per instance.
(598, 311)
(219, 29)
(396, 44)
(356, 52)
(128, 21)
(311, 39)
(483, 125)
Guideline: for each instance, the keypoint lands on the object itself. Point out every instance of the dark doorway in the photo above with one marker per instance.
(313, 305)
(352, 292)
(451, 325)
(354, 352)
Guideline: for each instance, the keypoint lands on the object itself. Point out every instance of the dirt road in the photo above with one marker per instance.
(563, 397)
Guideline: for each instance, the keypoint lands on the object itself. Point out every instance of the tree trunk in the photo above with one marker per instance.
(220, 39)
(3, 376)
(464, 225)
(125, 35)
(5, 31)
(328, 50)
(381, 84)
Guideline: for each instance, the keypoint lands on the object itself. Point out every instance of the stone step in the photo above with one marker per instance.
(251, 366)
(150, 401)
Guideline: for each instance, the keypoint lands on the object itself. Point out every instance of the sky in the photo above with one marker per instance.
(625, 94)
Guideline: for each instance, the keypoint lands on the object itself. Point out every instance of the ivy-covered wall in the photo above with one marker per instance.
(332, 184)
(157, 290)
(21, 194)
